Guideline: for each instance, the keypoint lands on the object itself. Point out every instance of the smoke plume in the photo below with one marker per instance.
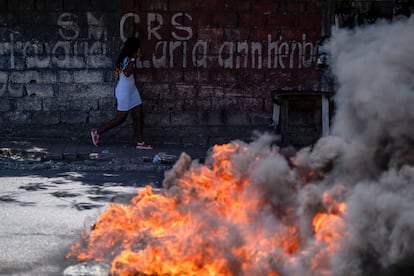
(374, 68)
(372, 147)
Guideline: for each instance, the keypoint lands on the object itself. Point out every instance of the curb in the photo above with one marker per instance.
(20, 159)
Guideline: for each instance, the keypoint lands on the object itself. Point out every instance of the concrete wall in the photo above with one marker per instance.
(207, 73)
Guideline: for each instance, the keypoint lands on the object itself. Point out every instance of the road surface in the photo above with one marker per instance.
(43, 212)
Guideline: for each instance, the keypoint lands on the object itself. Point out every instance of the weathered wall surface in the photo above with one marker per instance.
(56, 65)
(206, 76)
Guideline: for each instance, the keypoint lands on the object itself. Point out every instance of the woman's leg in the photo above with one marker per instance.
(119, 118)
(137, 117)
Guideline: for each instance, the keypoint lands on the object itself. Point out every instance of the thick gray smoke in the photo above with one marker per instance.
(372, 150)
(374, 67)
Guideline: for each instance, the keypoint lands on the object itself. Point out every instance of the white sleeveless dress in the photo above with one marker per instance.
(126, 92)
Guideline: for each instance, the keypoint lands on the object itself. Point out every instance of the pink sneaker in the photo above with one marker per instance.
(95, 137)
(142, 145)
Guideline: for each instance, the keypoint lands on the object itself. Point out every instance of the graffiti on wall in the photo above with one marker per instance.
(183, 50)
(275, 53)
(67, 51)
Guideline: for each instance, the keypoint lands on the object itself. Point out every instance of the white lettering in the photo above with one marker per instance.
(257, 55)
(242, 46)
(279, 53)
(160, 62)
(283, 53)
(307, 62)
(272, 51)
(152, 27)
(96, 27)
(200, 62)
(174, 45)
(34, 59)
(122, 25)
(61, 53)
(178, 26)
(295, 46)
(69, 27)
(228, 61)
(180, 52)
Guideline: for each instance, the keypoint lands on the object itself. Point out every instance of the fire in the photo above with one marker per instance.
(326, 226)
(211, 219)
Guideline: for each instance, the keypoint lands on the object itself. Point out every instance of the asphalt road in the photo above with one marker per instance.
(43, 212)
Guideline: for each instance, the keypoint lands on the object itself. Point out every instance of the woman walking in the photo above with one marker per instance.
(127, 94)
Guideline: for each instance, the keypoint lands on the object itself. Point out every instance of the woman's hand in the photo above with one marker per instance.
(130, 67)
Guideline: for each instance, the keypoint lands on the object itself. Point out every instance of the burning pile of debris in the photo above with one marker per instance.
(342, 207)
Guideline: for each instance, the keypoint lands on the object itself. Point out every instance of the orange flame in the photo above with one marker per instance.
(327, 227)
(210, 221)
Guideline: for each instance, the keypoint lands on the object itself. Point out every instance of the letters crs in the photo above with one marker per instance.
(154, 22)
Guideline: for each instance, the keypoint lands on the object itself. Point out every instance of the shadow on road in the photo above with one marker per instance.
(82, 190)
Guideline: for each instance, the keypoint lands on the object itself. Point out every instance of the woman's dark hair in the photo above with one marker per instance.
(130, 47)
